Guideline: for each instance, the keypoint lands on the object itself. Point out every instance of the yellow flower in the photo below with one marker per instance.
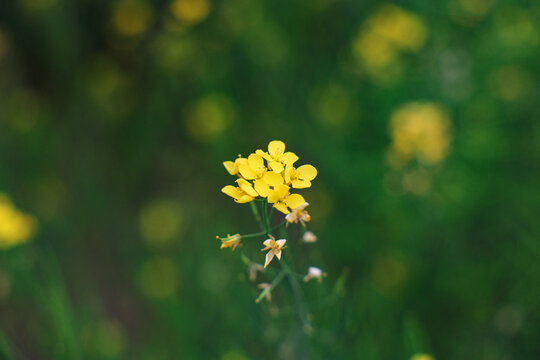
(233, 166)
(231, 241)
(254, 169)
(283, 200)
(243, 193)
(300, 178)
(298, 214)
(275, 247)
(276, 156)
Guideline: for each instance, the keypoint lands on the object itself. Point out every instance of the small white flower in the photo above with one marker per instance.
(298, 214)
(275, 247)
(314, 273)
(309, 237)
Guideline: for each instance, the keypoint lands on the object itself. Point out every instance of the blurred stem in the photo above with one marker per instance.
(255, 212)
(298, 297)
(274, 283)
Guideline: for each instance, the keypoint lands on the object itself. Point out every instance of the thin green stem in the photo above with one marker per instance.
(298, 297)
(265, 217)
(255, 212)
(274, 283)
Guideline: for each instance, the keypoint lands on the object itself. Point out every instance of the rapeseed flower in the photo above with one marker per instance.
(298, 214)
(275, 247)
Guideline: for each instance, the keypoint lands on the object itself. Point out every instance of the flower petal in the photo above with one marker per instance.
(294, 200)
(263, 154)
(278, 254)
(301, 184)
(232, 191)
(276, 148)
(275, 166)
(272, 179)
(288, 158)
(281, 242)
(268, 242)
(247, 187)
(261, 188)
(229, 166)
(269, 257)
(307, 172)
(255, 162)
(281, 190)
(244, 199)
(281, 207)
(246, 172)
(287, 174)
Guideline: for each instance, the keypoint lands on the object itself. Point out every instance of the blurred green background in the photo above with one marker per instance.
(422, 118)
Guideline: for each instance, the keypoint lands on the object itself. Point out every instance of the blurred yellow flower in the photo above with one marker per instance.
(275, 247)
(190, 11)
(160, 222)
(16, 227)
(419, 130)
(158, 278)
(209, 116)
(388, 32)
(131, 17)
(420, 356)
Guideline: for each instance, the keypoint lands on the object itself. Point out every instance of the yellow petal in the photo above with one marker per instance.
(275, 166)
(301, 184)
(268, 243)
(261, 187)
(255, 162)
(281, 242)
(232, 191)
(263, 154)
(281, 190)
(282, 207)
(287, 173)
(307, 172)
(240, 160)
(294, 200)
(247, 187)
(276, 148)
(288, 158)
(229, 166)
(273, 179)
(246, 172)
(244, 199)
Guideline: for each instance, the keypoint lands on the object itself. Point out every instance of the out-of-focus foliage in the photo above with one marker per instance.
(421, 118)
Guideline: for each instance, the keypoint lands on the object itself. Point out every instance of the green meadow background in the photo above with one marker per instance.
(421, 117)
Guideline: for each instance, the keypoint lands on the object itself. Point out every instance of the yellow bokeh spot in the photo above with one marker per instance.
(16, 227)
(509, 83)
(234, 355)
(422, 357)
(37, 5)
(158, 278)
(330, 104)
(190, 11)
(209, 116)
(131, 17)
(3, 44)
(161, 222)
(388, 274)
(516, 27)
(419, 130)
(384, 36)
(109, 339)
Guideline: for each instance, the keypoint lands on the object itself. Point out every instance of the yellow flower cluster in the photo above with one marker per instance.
(15, 227)
(269, 175)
